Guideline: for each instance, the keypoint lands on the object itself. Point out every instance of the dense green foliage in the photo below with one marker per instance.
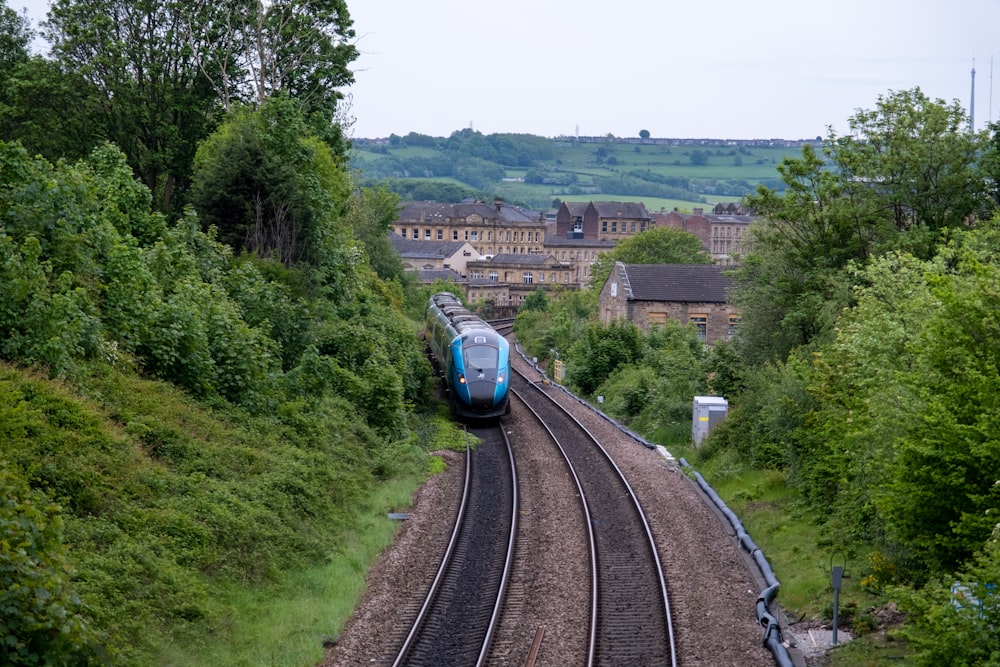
(647, 380)
(155, 78)
(42, 623)
(268, 186)
(315, 359)
(864, 367)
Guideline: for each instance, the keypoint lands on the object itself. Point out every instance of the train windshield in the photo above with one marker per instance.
(481, 357)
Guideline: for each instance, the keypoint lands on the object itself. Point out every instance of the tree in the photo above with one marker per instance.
(660, 245)
(53, 113)
(698, 158)
(15, 37)
(154, 97)
(912, 162)
(908, 171)
(644, 134)
(601, 350)
(163, 71)
(371, 213)
(269, 186)
(299, 48)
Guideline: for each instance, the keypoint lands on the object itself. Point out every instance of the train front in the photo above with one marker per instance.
(482, 374)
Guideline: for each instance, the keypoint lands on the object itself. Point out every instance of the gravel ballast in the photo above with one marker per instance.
(712, 590)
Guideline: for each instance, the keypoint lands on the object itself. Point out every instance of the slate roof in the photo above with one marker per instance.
(520, 258)
(576, 208)
(428, 276)
(683, 283)
(424, 249)
(610, 209)
(556, 241)
(718, 217)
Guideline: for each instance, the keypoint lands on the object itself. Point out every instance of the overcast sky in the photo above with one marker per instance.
(714, 68)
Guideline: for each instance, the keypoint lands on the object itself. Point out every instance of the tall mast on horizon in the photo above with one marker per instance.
(972, 100)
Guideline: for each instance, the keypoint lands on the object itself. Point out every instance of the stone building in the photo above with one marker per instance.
(605, 220)
(522, 275)
(724, 232)
(491, 229)
(651, 294)
(434, 254)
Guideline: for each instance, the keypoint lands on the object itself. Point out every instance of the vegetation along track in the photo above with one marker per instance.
(456, 623)
(630, 618)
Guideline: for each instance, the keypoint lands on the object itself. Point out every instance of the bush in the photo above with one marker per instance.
(42, 621)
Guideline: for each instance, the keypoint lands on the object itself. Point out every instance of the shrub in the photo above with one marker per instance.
(42, 621)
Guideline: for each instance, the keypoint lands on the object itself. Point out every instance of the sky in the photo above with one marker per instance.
(788, 69)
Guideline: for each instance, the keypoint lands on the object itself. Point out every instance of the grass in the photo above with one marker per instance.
(790, 537)
(284, 625)
(787, 533)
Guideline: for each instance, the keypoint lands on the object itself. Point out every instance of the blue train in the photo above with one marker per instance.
(475, 359)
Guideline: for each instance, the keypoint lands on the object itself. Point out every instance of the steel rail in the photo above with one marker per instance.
(635, 501)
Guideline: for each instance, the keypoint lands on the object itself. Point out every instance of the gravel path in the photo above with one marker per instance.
(712, 591)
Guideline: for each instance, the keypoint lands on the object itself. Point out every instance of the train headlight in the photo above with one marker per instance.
(461, 378)
(500, 378)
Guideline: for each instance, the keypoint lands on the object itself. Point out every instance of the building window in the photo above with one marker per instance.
(541, 276)
(440, 235)
(604, 225)
(700, 322)
(734, 322)
(489, 236)
(527, 278)
(494, 276)
(578, 226)
(475, 236)
(427, 235)
(466, 234)
(658, 319)
(566, 277)
(454, 235)
(416, 234)
(642, 226)
(614, 226)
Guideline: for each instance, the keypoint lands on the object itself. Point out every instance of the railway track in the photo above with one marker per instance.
(630, 612)
(455, 625)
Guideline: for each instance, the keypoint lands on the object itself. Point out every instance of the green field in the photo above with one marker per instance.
(667, 176)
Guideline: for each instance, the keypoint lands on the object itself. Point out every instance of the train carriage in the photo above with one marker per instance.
(474, 358)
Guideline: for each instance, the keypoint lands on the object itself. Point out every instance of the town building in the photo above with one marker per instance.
(491, 229)
(725, 232)
(518, 274)
(605, 220)
(505, 245)
(650, 294)
(454, 255)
